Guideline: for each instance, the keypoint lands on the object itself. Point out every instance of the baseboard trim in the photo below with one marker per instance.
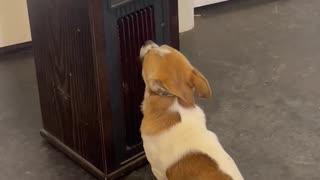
(126, 169)
(72, 155)
(130, 166)
(14, 48)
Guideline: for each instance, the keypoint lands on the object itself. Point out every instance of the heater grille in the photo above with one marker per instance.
(134, 30)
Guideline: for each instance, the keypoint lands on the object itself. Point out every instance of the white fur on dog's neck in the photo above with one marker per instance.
(190, 135)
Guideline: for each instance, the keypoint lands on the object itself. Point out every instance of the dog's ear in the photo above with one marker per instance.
(157, 87)
(201, 85)
(174, 88)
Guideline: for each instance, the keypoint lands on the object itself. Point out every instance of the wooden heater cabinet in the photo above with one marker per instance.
(88, 70)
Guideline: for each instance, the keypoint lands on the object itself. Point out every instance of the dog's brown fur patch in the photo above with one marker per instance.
(196, 166)
(157, 118)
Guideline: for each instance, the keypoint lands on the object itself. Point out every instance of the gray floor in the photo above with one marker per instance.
(262, 60)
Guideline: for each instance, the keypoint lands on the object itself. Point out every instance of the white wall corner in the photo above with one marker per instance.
(186, 15)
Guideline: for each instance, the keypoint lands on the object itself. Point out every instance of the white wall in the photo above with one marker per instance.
(186, 12)
(186, 15)
(14, 22)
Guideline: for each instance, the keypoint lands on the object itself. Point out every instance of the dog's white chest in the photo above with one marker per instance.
(190, 135)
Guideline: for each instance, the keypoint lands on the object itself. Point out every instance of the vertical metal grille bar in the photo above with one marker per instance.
(134, 30)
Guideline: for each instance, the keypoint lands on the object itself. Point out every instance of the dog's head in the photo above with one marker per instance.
(166, 72)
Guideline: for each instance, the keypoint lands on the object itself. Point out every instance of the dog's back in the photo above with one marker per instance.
(196, 166)
(188, 149)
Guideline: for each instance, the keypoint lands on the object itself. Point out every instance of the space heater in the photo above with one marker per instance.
(89, 75)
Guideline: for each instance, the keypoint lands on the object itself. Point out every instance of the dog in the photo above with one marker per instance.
(176, 141)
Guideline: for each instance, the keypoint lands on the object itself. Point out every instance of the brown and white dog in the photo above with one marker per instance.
(176, 141)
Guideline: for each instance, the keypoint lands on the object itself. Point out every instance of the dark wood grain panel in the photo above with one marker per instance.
(96, 16)
(64, 59)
